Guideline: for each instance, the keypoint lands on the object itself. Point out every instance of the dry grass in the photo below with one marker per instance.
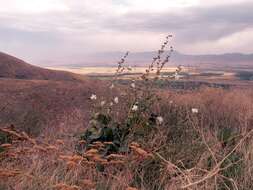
(188, 152)
(35, 105)
(161, 139)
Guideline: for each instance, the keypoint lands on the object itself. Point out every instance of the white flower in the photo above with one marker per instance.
(103, 103)
(93, 97)
(171, 102)
(111, 103)
(177, 77)
(129, 68)
(133, 85)
(195, 110)
(112, 86)
(116, 100)
(134, 108)
(159, 120)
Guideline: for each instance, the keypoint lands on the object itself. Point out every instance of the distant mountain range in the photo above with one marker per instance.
(144, 58)
(111, 59)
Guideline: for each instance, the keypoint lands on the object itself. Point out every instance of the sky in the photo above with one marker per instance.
(40, 31)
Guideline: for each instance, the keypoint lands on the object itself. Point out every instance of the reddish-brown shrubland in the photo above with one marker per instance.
(137, 138)
(205, 150)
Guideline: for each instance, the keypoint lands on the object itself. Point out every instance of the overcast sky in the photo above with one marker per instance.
(42, 30)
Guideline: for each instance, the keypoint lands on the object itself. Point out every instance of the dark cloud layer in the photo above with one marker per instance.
(89, 27)
(193, 24)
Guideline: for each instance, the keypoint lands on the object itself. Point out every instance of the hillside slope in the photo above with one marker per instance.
(12, 67)
(34, 105)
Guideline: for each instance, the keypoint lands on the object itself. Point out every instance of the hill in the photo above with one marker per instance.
(12, 67)
(36, 98)
(34, 105)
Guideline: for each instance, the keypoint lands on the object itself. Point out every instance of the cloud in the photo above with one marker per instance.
(31, 6)
(197, 23)
(39, 30)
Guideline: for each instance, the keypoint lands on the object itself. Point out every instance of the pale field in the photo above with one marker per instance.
(104, 70)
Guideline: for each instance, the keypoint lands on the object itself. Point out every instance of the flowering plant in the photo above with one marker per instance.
(139, 117)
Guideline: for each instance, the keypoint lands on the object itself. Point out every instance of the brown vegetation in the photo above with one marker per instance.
(11, 67)
(34, 105)
(207, 150)
(125, 138)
